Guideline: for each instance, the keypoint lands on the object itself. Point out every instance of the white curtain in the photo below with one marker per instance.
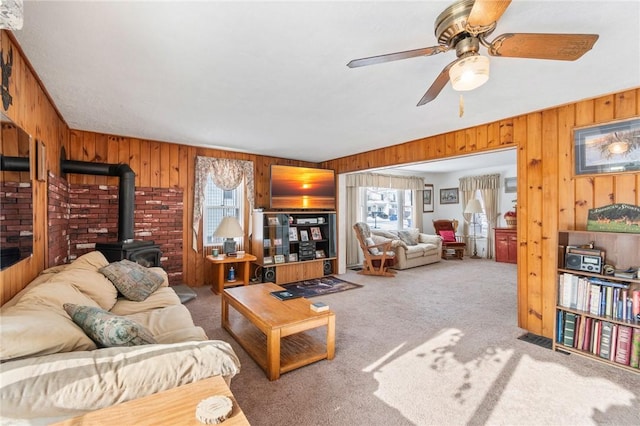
(226, 174)
(489, 186)
(373, 180)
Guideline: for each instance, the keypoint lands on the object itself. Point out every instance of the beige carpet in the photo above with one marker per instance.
(435, 345)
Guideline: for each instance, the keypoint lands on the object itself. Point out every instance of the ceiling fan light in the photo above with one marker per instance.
(11, 15)
(469, 73)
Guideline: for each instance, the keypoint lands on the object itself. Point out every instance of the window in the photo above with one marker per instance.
(389, 208)
(217, 204)
(481, 225)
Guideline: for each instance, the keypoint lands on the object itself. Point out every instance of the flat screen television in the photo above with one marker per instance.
(306, 188)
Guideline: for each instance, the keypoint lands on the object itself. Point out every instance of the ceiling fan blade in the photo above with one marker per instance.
(437, 85)
(563, 47)
(425, 51)
(484, 13)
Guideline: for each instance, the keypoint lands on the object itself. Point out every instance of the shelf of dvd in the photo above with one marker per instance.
(597, 312)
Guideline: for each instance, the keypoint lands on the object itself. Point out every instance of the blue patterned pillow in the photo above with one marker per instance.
(107, 329)
(133, 280)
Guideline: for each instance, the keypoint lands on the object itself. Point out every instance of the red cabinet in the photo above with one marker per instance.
(506, 245)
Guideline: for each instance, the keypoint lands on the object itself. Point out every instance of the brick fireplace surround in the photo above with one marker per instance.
(82, 215)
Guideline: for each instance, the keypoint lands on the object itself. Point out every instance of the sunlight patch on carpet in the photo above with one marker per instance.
(320, 286)
(433, 371)
(589, 395)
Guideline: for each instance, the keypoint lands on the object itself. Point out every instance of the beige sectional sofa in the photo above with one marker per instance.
(412, 248)
(51, 369)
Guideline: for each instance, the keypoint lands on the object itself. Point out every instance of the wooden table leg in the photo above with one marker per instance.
(273, 354)
(331, 337)
(224, 315)
(220, 279)
(246, 270)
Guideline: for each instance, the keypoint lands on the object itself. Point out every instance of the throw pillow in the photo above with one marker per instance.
(134, 281)
(448, 236)
(407, 238)
(106, 329)
(373, 250)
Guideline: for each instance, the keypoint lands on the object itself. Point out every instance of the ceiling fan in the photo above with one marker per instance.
(464, 26)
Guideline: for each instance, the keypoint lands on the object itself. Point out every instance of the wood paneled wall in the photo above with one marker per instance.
(549, 196)
(32, 110)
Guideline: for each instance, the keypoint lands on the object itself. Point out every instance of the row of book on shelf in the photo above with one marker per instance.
(614, 342)
(617, 300)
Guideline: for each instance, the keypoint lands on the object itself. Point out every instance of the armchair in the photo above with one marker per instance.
(452, 245)
(377, 257)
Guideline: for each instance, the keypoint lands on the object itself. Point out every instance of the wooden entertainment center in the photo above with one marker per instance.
(293, 246)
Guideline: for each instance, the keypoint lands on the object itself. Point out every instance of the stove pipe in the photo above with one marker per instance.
(126, 190)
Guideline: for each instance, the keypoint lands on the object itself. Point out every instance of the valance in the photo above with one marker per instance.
(472, 183)
(375, 180)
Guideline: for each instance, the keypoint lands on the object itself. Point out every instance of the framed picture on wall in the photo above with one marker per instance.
(510, 185)
(427, 198)
(608, 148)
(449, 196)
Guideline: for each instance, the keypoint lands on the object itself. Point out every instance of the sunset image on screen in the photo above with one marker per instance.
(302, 188)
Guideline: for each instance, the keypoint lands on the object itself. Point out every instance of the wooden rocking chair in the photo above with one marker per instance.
(377, 257)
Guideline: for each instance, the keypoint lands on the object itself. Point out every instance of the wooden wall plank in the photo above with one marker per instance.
(144, 169)
(565, 165)
(101, 156)
(549, 215)
(535, 199)
(520, 138)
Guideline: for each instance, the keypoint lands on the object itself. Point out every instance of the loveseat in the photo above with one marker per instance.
(142, 342)
(412, 248)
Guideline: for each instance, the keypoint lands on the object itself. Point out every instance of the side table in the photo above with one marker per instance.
(175, 406)
(221, 265)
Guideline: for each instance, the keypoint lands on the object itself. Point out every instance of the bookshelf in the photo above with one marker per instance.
(596, 314)
(294, 246)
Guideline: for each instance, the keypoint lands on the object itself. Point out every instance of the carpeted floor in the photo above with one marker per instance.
(435, 345)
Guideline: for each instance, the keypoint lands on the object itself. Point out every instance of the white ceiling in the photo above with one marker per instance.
(504, 157)
(271, 77)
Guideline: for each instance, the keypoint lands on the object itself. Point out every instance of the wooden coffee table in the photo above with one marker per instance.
(273, 331)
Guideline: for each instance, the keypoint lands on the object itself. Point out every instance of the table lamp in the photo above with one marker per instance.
(229, 228)
(473, 207)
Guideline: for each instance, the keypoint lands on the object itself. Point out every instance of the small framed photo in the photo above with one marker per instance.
(304, 235)
(320, 254)
(315, 233)
(266, 243)
(510, 184)
(293, 257)
(268, 260)
(278, 258)
(293, 233)
(449, 196)
(277, 242)
(427, 199)
(273, 220)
